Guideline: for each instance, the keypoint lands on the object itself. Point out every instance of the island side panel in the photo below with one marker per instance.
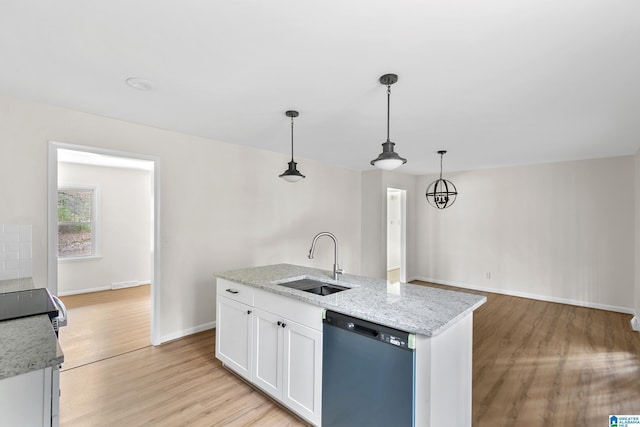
(444, 374)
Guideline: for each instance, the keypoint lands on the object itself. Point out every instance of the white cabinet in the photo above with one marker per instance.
(287, 363)
(302, 370)
(234, 335)
(234, 326)
(267, 353)
(31, 399)
(273, 341)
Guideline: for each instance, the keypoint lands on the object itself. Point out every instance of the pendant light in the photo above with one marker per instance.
(441, 193)
(388, 159)
(292, 174)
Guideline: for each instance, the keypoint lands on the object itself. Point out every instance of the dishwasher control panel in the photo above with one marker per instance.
(371, 330)
(391, 339)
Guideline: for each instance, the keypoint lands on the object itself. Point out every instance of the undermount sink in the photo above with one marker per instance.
(314, 286)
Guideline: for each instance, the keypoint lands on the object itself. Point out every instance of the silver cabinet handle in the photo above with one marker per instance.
(232, 291)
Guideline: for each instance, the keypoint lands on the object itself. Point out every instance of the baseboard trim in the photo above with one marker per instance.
(188, 331)
(113, 286)
(577, 303)
(84, 291)
(635, 323)
(122, 285)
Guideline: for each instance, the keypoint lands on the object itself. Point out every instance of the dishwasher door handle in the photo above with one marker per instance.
(363, 330)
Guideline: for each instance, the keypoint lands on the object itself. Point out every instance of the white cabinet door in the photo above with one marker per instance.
(302, 371)
(287, 363)
(234, 335)
(267, 356)
(25, 400)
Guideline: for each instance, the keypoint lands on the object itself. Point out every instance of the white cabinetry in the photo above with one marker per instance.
(234, 326)
(31, 399)
(287, 362)
(267, 354)
(302, 370)
(233, 335)
(285, 348)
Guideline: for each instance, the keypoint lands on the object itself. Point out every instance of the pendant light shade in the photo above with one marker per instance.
(292, 174)
(388, 159)
(441, 193)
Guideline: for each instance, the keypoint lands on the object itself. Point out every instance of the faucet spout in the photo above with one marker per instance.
(336, 268)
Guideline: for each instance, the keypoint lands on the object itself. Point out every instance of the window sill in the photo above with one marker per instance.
(79, 258)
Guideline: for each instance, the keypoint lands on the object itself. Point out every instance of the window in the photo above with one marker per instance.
(76, 222)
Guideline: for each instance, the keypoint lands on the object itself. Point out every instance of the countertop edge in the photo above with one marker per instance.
(269, 284)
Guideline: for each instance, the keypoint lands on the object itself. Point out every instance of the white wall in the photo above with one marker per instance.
(559, 230)
(636, 320)
(563, 231)
(124, 224)
(374, 250)
(222, 205)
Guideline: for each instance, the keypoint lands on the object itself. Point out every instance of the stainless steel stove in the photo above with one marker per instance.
(32, 302)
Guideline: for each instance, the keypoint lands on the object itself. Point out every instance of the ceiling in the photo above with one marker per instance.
(494, 82)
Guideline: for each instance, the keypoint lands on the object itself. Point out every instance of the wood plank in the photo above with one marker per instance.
(537, 363)
(105, 324)
(179, 383)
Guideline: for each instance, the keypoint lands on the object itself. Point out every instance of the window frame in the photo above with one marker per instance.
(95, 222)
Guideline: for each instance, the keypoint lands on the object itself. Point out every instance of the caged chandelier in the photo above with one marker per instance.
(441, 193)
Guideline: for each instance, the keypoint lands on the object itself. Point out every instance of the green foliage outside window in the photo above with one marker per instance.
(75, 222)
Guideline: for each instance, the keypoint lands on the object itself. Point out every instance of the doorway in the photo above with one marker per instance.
(102, 157)
(396, 235)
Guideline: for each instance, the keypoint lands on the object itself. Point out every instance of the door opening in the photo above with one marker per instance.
(396, 235)
(100, 157)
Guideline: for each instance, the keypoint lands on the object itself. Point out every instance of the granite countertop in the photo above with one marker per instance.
(412, 308)
(28, 343)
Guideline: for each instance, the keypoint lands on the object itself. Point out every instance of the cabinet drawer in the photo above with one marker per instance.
(235, 291)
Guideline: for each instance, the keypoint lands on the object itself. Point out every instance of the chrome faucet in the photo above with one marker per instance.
(336, 268)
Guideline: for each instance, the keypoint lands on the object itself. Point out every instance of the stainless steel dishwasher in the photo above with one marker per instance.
(368, 374)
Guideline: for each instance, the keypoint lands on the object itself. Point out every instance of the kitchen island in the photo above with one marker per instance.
(441, 320)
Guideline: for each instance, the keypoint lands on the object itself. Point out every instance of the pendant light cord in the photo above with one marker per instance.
(441, 156)
(292, 139)
(388, 109)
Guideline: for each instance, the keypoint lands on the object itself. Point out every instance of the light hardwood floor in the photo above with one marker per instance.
(105, 324)
(534, 364)
(544, 364)
(175, 384)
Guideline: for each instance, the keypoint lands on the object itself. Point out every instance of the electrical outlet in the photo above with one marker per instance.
(487, 275)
